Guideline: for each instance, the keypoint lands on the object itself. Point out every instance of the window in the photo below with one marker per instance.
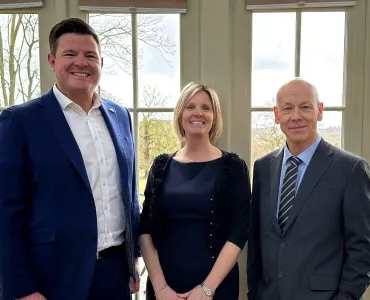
(19, 58)
(141, 71)
(310, 45)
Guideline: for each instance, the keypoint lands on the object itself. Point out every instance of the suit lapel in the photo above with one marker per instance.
(110, 116)
(55, 119)
(318, 165)
(111, 119)
(275, 170)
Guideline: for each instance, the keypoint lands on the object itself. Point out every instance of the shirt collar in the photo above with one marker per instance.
(306, 155)
(64, 101)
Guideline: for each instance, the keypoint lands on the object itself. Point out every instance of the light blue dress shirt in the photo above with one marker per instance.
(305, 157)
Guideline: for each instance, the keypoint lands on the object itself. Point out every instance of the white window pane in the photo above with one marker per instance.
(273, 55)
(159, 59)
(330, 128)
(322, 58)
(266, 135)
(155, 136)
(115, 34)
(19, 58)
(143, 278)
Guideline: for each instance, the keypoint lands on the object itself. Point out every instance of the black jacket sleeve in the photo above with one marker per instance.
(241, 195)
(254, 260)
(145, 218)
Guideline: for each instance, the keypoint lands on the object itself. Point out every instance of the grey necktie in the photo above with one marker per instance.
(288, 191)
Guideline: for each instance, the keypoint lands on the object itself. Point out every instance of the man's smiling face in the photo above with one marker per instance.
(298, 111)
(76, 63)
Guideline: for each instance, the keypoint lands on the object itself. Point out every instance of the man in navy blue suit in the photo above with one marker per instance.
(68, 196)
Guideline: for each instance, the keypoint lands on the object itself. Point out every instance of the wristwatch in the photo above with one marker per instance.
(207, 290)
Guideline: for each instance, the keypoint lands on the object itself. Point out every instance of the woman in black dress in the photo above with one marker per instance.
(196, 210)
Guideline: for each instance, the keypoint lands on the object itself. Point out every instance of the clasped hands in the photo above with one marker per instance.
(168, 293)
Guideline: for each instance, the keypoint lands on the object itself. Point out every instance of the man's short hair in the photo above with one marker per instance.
(72, 25)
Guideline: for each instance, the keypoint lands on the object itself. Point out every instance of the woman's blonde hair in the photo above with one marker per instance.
(186, 94)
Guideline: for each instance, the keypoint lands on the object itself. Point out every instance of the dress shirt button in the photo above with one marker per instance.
(210, 234)
(211, 199)
(210, 223)
(281, 274)
(104, 183)
(213, 257)
(95, 137)
(106, 207)
(210, 246)
(211, 211)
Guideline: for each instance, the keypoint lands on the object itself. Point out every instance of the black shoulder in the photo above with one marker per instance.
(162, 158)
(160, 163)
(233, 159)
(233, 165)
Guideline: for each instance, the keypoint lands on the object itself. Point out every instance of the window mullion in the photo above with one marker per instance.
(135, 94)
(134, 60)
(298, 38)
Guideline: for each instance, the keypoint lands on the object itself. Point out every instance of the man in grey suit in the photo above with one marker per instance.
(310, 212)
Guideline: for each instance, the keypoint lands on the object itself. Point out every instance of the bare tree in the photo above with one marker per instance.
(115, 33)
(19, 76)
(32, 78)
(266, 134)
(155, 130)
(19, 42)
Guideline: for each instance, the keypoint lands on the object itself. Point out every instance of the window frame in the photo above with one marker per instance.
(297, 66)
(136, 109)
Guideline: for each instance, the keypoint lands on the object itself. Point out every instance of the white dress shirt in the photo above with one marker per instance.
(92, 136)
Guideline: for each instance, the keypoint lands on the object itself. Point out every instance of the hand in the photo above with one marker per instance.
(166, 294)
(135, 286)
(196, 293)
(34, 296)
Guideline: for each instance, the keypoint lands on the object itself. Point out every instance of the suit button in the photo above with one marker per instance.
(281, 274)
(282, 246)
(93, 237)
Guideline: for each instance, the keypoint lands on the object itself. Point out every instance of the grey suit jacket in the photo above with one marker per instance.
(324, 253)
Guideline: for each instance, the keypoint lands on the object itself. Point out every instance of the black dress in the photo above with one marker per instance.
(185, 208)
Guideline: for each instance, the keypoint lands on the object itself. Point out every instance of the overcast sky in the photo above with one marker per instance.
(155, 70)
(322, 55)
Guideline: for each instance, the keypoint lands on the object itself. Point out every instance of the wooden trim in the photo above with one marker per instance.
(16, 4)
(133, 5)
(289, 4)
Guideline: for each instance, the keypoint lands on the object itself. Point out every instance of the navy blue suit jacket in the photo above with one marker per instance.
(48, 225)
